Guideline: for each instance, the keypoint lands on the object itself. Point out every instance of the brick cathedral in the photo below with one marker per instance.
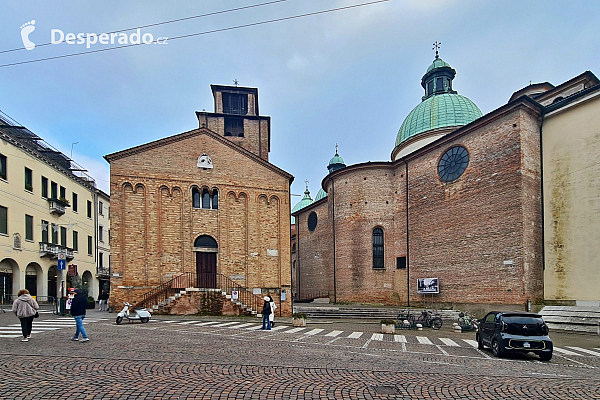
(477, 211)
(206, 202)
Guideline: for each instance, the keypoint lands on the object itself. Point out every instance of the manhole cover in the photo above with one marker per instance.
(385, 389)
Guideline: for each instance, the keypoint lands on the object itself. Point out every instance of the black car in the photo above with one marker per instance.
(514, 331)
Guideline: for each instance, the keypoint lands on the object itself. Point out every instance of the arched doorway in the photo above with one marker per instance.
(86, 281)
(52, 281)
(8, 269)
(206, 249)
(31, 279)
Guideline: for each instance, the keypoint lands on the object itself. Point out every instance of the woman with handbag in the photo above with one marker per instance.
(25, 307)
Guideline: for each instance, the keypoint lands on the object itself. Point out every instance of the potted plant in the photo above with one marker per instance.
(388, 326)
(298, 319)
(91, 303)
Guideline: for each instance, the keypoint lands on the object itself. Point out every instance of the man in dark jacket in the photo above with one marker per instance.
(78, 307)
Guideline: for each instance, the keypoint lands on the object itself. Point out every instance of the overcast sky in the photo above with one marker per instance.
(348, 77)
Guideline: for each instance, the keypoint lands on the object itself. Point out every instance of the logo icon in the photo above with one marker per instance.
(26, 29)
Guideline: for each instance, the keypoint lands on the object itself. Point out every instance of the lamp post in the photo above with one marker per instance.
(72, 144)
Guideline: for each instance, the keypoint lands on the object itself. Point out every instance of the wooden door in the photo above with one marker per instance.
(206, 270)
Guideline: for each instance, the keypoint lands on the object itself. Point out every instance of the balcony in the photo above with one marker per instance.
(52, 250)
(57, 206)
(103, 272)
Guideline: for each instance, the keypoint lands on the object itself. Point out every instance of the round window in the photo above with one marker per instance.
(453, 163)
(312, 221)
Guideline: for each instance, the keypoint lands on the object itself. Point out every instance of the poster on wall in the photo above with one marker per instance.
(428, 285)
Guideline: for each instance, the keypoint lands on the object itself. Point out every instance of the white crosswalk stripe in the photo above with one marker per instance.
(254, 327)
(314, 332)
(46, 325)
(565, 352)
(226, 324)
(449, 342)
(470, 342)
(334, 333)
(355, 335)
(424, 340)
(278, 328)
(187, 322)
(587, 351)
(399, 338)
(377, 336)
(294, 330)
(242, 325)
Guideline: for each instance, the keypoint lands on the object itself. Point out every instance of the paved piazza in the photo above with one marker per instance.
(219, 358)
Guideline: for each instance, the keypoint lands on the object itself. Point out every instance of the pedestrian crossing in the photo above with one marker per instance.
(44, 325)
(372, 337)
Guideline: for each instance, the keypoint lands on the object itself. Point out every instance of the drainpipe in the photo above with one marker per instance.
(95, 208)
(407, 242)
(542, 198)
(333, 220)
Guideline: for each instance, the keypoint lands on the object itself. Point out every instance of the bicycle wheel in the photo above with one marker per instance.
(436, 323)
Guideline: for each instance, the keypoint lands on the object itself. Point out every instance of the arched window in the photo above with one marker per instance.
(205, 199)
(378, 248)
(195, 198)
(206, 241)
(215, 199)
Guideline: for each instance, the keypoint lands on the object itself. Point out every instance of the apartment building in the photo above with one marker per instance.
(50, 210)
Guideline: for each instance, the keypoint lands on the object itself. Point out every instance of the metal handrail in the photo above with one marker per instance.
(203, 281)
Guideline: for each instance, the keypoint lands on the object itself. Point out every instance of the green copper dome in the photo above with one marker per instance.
(437, 63)
(439, 111)
(441, 107)
(320, 195)
(336, 159)
(306, 201)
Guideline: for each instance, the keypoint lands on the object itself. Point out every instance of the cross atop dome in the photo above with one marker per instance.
(436, 47)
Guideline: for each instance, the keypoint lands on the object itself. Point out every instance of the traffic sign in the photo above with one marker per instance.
(62, 264)
(234, 294)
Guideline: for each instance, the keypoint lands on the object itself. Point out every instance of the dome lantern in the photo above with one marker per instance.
(336, 162)
(441, 111)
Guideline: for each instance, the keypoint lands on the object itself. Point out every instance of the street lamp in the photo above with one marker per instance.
(72, 144)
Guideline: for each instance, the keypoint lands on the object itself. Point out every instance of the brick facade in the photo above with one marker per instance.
(154, 224)
(480, 234)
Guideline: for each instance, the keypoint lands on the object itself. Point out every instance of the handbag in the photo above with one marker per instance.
(37, 315)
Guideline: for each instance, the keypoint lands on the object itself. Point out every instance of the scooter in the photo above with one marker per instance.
(140, 314)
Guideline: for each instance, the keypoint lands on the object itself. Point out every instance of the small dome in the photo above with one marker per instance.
(438, 111)
(438, 63)
(320, 194)
(336, 159)
(336, 162)
(306, 201)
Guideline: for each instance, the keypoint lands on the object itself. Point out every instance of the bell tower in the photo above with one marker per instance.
(237, 118)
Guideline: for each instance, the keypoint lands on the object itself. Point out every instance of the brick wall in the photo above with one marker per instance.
(154, 226)
(480, 234)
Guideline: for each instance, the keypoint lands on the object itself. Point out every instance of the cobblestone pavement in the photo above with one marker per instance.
(195, 358)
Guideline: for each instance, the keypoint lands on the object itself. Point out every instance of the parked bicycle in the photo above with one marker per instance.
(407, 320)
(468, 322)
(427, 319)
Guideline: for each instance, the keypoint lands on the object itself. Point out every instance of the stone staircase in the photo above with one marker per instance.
(572, 318)
(374, 313)
(235, 307)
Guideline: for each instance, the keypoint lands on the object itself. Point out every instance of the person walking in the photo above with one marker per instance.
(78, 307)
(103, 301)
(273, 308)
(266, 311)
(25, 307)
